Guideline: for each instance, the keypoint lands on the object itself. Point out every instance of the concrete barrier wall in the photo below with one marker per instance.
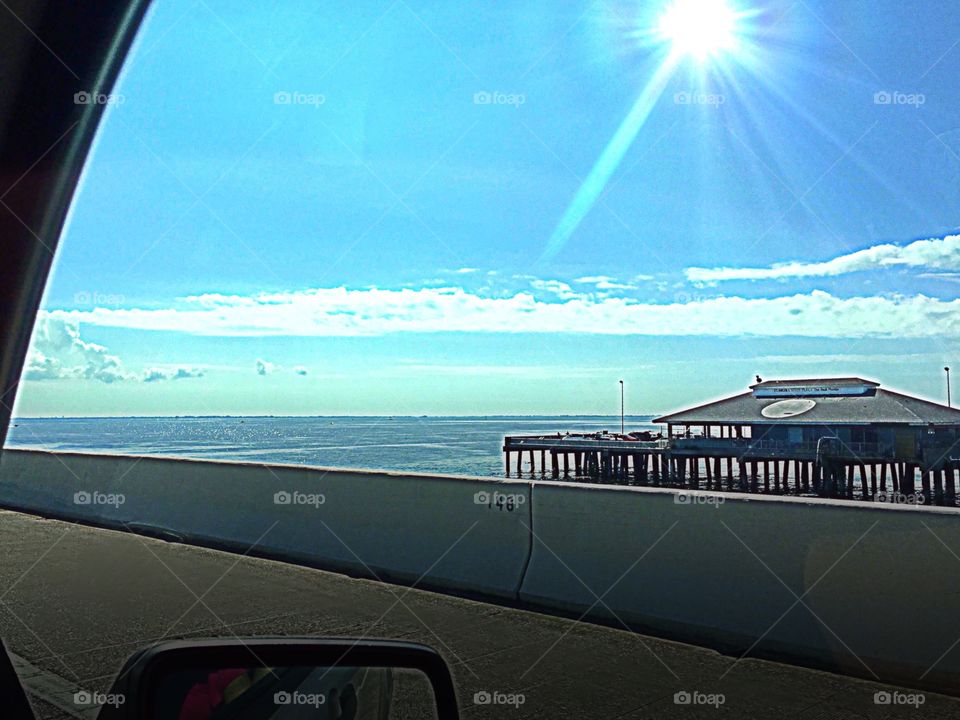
(871, 590)
(434, 531)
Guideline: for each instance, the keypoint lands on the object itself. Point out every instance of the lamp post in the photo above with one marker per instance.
(947, 370)
(621, 407)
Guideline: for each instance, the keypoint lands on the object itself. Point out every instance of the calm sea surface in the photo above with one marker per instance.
(454, 445)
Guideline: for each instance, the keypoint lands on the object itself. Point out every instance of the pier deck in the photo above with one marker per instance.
(867, 471)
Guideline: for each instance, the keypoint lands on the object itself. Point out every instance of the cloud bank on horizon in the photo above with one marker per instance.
(342, 312)
(586, 305)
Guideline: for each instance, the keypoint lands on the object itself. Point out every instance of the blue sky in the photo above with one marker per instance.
(301, 208)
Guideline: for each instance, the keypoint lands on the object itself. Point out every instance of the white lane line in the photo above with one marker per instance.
(53, 689)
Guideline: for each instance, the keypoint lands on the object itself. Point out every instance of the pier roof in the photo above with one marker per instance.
(828, 401)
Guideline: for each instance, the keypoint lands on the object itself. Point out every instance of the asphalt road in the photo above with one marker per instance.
(76, 601)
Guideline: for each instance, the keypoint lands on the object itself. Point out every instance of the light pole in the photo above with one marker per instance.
(621, 407)
(947, 370)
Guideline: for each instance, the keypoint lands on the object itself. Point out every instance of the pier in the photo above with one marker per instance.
(836, 438)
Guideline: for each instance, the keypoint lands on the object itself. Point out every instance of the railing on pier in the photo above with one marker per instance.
(784, 449)
(569, 443)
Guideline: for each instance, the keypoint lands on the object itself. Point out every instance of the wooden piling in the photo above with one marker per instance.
(907, 480)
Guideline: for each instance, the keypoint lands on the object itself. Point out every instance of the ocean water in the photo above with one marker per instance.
(451, 445)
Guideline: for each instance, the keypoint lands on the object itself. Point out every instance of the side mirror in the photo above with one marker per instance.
(278, 678)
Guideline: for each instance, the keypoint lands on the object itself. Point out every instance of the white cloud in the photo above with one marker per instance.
(941, 254)
(947, 276)
(41, 367)
(264, 367)
(605, 282)
(158, 374)
(340, 312)
(465, 270)
(58, 352)
(555, 287)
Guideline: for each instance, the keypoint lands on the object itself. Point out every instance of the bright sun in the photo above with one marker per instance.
(699, 28)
